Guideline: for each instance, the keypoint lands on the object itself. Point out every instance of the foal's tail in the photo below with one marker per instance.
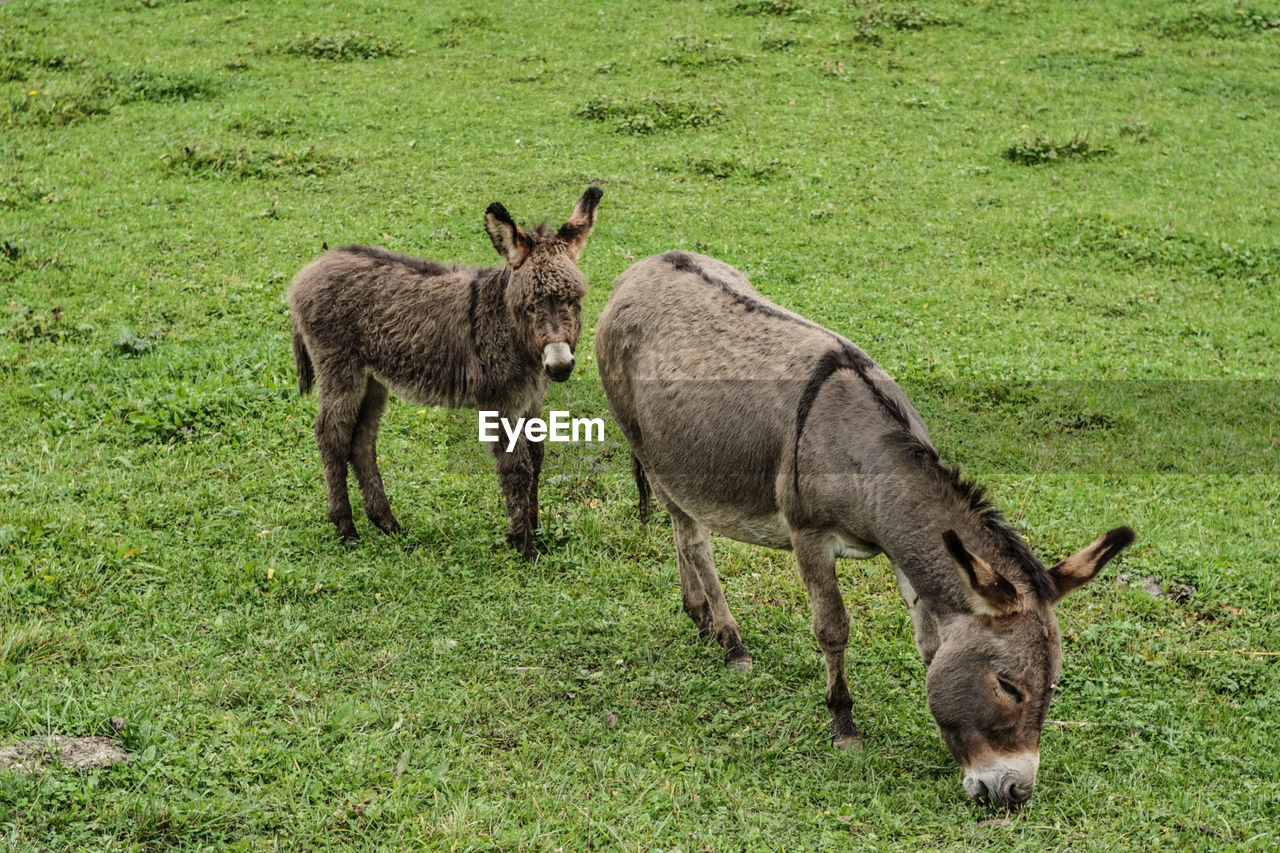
(642, 486)
(301, 358)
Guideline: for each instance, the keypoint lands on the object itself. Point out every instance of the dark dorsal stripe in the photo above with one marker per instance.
(849, 356)
(384, 256)
(845, 356)
(682, 262)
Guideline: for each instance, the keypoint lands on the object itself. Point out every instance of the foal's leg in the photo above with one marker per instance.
(536, 451)
(693, 553)
(831, 625)
(364, 457)
(335, 423)
(515, 473)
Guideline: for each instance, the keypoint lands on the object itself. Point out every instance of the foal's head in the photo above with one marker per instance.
(544, 296)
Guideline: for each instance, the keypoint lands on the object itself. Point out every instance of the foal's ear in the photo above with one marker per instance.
(1080, 568)
(513, 244)
(575, 231)
(989, 592)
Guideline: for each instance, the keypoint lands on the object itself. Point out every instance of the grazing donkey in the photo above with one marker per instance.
(366, 320)
(750, 421)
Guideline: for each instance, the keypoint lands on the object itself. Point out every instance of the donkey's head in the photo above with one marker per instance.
(996, 666)
(544, 296)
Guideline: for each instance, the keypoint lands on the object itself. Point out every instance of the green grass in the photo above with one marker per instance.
(1094, 337)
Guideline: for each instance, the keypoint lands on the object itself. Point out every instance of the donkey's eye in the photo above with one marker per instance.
(1009, 690)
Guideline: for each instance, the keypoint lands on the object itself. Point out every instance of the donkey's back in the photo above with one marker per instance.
(706, 378)
(360, 310)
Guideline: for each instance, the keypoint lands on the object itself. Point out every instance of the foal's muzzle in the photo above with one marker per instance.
(557, 359)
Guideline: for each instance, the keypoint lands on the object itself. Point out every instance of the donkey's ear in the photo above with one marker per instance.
(575, 231)
(1080, 568)
(990, 592)
(513, 244)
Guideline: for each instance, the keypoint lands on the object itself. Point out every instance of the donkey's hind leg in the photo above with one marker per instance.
(692, 595)
(364, 457)
(700, 588)
(335, 423)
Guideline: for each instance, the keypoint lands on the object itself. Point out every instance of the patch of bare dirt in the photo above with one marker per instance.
(1156, 588)
(34, 756)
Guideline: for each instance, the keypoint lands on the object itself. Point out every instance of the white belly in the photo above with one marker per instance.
(771, 531)
(854, 550)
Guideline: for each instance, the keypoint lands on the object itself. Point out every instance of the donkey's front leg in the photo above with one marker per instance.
(515, 471)
(817, 560)
(698, 570)
(536, 450)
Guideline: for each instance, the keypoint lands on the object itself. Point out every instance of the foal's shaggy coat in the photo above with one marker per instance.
(366, 320)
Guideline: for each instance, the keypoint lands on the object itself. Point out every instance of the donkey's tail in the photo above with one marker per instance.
(642, 486)
(306, 370)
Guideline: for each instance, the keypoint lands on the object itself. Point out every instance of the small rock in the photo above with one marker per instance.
(611, 719)
(1153, 586)
(118, 723)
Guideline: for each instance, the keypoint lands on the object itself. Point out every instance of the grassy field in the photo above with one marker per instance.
(1054, 222)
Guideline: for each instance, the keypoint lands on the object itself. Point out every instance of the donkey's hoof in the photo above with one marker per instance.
(738, 659)
(389, 525)
(526, 545)
(846, 735)
(345, 527)
(527, 549)
(852, 743)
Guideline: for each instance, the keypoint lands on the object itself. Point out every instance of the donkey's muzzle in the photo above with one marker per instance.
(1006, 782)
(557, 359)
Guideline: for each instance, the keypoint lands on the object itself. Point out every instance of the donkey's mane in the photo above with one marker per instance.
(845, 356)
(974, 498)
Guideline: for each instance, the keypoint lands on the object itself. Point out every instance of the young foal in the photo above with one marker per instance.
(366, 320)
(751, 421)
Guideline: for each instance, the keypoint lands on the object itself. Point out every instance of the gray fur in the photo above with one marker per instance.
(367, 321)
(750, 421)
